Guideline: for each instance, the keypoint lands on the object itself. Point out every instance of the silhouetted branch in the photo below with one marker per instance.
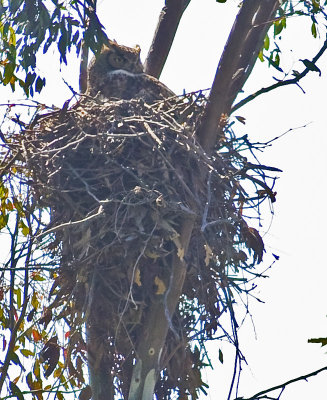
(14, 326)
(292, 81)
(169, 19)
(83, 68)
(282, 386)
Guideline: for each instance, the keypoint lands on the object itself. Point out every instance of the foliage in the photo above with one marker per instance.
(28, 27)
(311, 9)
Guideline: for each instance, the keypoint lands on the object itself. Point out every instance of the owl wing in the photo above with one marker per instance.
(121, 84)
(151, 89)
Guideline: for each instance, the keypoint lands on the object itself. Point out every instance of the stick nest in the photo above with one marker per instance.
(119, 178)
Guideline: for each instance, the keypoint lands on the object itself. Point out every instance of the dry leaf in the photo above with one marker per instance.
(137, 277)
(161, 287)
(209, 254)
(180, 253)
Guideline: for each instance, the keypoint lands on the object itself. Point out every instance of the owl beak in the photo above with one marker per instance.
(140, 69)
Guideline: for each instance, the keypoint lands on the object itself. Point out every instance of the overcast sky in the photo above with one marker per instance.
(295, 293)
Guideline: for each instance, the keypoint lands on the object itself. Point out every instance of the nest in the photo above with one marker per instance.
(119, 177)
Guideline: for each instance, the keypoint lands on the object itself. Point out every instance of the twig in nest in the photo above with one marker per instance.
(152, 134)
(70, 223)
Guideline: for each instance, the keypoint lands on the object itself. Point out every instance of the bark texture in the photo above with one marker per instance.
(151, 345)
(169, 19)
(236, 63)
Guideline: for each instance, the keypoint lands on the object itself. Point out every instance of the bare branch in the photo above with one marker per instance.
(292, 81)
(12, 342)
(71, 223)
(83, 68)
(169, 19)
(282, 385)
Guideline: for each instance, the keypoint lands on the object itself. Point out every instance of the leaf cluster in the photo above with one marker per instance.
(311, 9)
(29, 27)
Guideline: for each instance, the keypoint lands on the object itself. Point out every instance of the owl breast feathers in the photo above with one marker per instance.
(117, 73)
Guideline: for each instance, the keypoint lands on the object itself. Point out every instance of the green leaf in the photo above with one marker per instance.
(12, 36)
(274, 63)
(260, 56)
(63, 42)
(315, 6)
(34, 301)
(37, 277)
(278, 26)
(36, 369)
(24, 228)
(60, 396)
(39, 84)
(283, 21)
(4, 192)
(221, 356)
(75, 37)
(19, 207)
(15, 391)
(27, 353)
(45, 19)
(277, 60)
(14, 5)
(29, 80)
(18, 294)
(322, 341)
(8, 73)
(314, 30)
(3, 220)
(266, 43)
(15, 359)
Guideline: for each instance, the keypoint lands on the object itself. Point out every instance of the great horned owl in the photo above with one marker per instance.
(117, 73)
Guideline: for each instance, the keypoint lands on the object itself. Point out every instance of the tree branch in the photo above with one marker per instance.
(16, 326)
(155, 329)
(169, 19)
(292, 81)
(235, 65)
(283, 385)
(83, 68)
(11, 346)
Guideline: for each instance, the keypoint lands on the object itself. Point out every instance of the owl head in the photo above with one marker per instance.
(115, 57)
(117, 73)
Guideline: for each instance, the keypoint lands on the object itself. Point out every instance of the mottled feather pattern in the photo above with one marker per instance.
(117, 73)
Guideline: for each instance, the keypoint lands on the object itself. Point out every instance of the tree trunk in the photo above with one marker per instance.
(148, 354)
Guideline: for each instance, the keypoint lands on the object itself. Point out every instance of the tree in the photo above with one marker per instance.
(161, 317)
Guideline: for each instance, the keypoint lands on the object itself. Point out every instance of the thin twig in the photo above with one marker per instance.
(71, 223)
(259, 395)
(292, 81)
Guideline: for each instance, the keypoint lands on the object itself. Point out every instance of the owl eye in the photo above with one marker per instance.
(116, 60)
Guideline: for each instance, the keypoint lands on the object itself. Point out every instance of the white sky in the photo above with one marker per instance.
(295, 294)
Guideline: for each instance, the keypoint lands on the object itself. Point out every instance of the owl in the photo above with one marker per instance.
(117, 73)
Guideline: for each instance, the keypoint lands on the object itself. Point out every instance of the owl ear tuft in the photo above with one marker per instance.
(111, 43)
